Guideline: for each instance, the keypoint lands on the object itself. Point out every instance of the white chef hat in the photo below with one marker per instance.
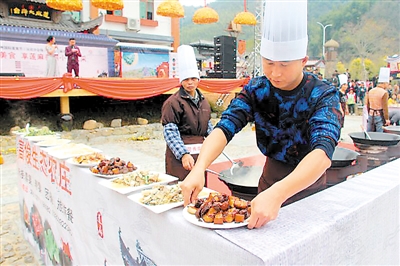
(342, 79)
(187, 63)
(284, 35)
(384, 74)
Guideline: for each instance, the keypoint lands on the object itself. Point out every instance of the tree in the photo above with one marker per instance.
(368, 38)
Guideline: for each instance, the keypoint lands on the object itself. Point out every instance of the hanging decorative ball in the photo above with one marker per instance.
(65, 5)
(170, 8)
(245, 18)
(108, 4)
(205, 15)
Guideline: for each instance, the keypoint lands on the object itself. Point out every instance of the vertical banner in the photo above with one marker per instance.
(46, 202)
(31, 59)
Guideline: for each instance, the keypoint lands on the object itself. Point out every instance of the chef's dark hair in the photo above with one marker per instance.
(72, 39)
(49, 38)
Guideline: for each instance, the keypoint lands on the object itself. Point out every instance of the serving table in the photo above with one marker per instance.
(72, 220)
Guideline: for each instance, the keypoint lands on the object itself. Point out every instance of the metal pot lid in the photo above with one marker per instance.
(377, 138)
(392, 129)
(245, 176)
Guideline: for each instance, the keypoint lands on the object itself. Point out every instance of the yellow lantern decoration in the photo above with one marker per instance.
(108, 4)
(205, 15)
(246, 17)
(170, 8)
(65, 5)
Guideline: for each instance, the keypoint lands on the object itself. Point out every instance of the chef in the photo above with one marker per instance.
(377, 103)
(185, 117)
(296, 115)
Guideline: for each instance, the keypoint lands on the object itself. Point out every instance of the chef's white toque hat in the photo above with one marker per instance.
(342, 79)
(284, 36)
(384, 74)
(187, 63)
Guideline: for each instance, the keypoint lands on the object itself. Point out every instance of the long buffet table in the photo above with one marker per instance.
(71, 219)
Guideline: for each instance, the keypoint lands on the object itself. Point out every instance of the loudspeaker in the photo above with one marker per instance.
(225, 56)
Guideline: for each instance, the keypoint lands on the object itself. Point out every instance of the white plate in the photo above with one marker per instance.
(105, 176)
(69, 150)
(164, 179)
(71, 161)
(52, 142)
(165, 207)
(42, 137)
(192, 219)
(19, 133)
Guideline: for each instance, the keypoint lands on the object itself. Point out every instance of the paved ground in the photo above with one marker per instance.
(149, 154)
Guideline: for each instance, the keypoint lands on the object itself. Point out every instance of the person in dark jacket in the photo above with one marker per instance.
(185, 118)
(296, 116)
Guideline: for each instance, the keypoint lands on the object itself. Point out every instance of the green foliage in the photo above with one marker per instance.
(340, 67)
(363, 29)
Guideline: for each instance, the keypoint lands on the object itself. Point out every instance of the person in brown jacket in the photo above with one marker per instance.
(377, 103)
(185, 117)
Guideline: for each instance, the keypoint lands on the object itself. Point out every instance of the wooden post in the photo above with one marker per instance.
(64, 104)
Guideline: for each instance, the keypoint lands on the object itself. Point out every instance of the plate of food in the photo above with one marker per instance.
(218, 211)
(112, 167)
(69, 150)
(52, 142)
(137, 180)
(88, 160)
(161, 198)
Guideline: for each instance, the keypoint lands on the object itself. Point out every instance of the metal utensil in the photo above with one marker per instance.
(234, 164)
(365, 132)
(215, 173)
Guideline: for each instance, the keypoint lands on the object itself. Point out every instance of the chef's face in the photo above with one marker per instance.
(190, 85)
(284, 75)
(71, 42)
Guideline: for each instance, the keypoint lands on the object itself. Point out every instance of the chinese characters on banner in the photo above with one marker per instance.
(31, 59)
(46, 201)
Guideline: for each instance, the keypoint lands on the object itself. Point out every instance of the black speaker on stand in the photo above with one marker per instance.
(225, 57)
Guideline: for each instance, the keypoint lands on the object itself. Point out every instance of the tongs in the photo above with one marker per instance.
(365, 132)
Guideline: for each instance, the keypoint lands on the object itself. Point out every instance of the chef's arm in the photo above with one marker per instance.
(307, 172)
(212, 147)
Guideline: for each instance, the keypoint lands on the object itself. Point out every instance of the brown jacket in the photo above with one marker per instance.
(192, 121)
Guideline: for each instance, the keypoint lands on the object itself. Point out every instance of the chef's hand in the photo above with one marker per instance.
(192, 185)
(264, 208)
(387, 122)
(187, 161)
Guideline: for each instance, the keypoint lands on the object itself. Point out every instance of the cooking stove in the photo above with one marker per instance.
(378, 155)
(335, 175)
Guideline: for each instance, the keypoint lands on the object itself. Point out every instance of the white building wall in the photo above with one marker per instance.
(132, 10)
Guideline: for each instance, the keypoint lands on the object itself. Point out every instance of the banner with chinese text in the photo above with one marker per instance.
(31, 59)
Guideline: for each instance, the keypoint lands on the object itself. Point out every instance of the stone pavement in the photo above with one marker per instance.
(148, 154)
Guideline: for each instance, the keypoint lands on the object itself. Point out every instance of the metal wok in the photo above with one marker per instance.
(377, 138)
(244, 179)
(392, 130)
(343, 157)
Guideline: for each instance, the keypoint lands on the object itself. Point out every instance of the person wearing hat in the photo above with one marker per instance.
(185, 117)
(377, 103)
(296, 116)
